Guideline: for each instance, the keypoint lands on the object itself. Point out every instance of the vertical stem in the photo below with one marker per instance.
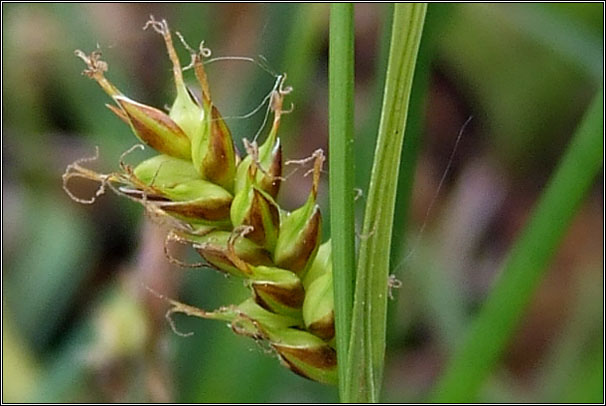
(341, 109)
(367, 343)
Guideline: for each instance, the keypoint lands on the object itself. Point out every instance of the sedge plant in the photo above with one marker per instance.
(317, 305)
(225, 206)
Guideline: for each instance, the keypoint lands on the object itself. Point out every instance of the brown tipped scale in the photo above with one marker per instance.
(300, 230)
(155, 128)
(275, 289)
(297, 253)
(306, 355)
(150, 125)
(254, 208)
(264, 217)
(318, 307)
(195, 201)
(278, 291)
(213, 247)
(213, 151)
(268, 157)
(202, 211)
(324, 327)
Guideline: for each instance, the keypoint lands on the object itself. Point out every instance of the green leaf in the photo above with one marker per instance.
(367, 344)
(527, 263)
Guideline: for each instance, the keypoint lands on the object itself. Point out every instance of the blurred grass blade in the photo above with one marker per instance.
(587, 386)
(527, 262)
(341, 109)
(436, 16)
(367, 344)
(303, 43)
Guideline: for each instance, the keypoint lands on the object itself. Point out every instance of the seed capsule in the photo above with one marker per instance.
(213, 152)
(321, 264)
(299, 238)
(300, 231)
(175, 186)
(213, 247)
(184, 111)
(164, 171)
(300, 351)
(155, 128)
(150, 125)
(253, 207)
(268, 157)
(306, 355)
(318, 307)
(275, 289)
(212, 149)
(198, 200)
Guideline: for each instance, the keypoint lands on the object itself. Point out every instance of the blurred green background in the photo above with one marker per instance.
(78, 322)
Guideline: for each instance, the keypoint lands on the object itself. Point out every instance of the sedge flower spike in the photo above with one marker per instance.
(226, 208)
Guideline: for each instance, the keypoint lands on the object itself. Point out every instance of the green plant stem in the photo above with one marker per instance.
(341, 109)
(367, 344)
(527, 262)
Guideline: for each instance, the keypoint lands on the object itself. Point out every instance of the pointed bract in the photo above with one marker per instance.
(155, 128)
(299, 238)
(318, 307)
(165, 171)
(253, 207)
(213, 247)
(277, 290)
(213, 152)
(306, 355)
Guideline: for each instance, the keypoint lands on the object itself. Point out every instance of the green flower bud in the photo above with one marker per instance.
(213, 247)
(212, 149)
(302, 352)
(253, 207)
(306, 355)
(198, 200)
(152, 126)
(268, 158)
(184, 111)
(121, 327)
(155, 128)
(321, 264)
(300, 231)
(163, 171)
(277, 290)
(318, 307)
(213, 152)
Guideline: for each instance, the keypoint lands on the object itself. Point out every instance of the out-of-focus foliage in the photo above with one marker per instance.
(78, 323)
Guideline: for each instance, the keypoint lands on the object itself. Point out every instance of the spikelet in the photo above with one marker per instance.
(226, 209)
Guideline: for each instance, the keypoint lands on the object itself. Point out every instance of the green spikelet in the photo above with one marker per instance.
(227, 211)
